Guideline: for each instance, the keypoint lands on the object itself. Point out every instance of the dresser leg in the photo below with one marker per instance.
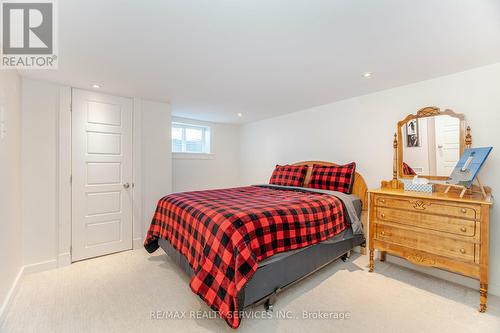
(483, 297)
(382, 255)
(371, 260)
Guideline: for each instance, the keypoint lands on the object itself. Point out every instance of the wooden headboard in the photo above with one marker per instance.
(359, 188)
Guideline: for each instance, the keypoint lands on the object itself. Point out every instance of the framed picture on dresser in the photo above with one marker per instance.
(412, 137)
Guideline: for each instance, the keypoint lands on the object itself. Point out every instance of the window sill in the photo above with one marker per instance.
(192, 156)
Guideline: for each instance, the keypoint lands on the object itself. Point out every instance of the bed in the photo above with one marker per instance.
(271, 266)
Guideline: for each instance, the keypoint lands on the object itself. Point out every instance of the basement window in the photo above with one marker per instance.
(190, 138)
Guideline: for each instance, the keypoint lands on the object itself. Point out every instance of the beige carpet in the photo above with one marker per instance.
(118, 293)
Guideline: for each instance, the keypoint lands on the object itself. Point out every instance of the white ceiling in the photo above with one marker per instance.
(213, 59)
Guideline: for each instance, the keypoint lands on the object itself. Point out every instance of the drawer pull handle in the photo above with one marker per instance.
(383, 201)
(383, 215)
(462, 251)
(463, 210)
(383, 233)
(463, 229)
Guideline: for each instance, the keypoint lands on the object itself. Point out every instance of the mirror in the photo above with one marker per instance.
(430, 143)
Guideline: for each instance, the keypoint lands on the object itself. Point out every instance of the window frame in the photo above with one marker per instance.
(206, 140)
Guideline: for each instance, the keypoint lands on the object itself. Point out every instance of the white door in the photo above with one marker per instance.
(447, 144)
(102, 174)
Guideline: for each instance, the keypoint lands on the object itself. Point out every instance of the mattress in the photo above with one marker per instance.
(358, 204)
(179, 259)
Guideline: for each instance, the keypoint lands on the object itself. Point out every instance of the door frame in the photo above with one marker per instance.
(64, 154)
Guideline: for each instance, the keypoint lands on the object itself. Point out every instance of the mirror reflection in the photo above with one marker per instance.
(431, 145)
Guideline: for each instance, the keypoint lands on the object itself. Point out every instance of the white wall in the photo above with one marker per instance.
(39, 171)
(156, 155)
(361, 129)
(219, 170)
(40, 129)
(11, 240)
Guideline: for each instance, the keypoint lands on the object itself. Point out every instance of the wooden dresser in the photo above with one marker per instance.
(438, 230)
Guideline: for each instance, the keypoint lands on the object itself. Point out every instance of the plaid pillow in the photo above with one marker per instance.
(334, 178)
(289, 175)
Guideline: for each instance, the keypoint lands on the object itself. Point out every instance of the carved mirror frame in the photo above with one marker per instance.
(430, 111)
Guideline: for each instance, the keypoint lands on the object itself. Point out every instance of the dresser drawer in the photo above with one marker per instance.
(462, 210)
(448, 224)
(446, 247)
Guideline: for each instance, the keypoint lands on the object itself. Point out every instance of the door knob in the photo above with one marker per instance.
(126, 185)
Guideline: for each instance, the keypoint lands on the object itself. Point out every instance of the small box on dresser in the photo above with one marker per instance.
(425, 188)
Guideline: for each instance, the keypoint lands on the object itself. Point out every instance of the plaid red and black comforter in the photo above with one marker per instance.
(225, 233)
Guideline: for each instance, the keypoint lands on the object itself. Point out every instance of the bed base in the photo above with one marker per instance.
(270, 280)
(271, 299)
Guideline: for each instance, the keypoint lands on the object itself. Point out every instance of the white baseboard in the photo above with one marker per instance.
(493, 289)
(64, 259)
(137, 243)
(10, 295)
(40, 266)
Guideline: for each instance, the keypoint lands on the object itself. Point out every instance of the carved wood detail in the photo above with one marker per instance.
(372, 255)
(421, 260)
(394, 183)
(483, 295)
(468, 138)
(419, 204)
(428, 111)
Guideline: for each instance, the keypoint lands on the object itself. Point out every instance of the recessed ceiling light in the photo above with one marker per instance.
(96, 86)
(367, 74)
(240, 114)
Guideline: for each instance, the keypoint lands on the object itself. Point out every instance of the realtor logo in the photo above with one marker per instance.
(28, 34)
